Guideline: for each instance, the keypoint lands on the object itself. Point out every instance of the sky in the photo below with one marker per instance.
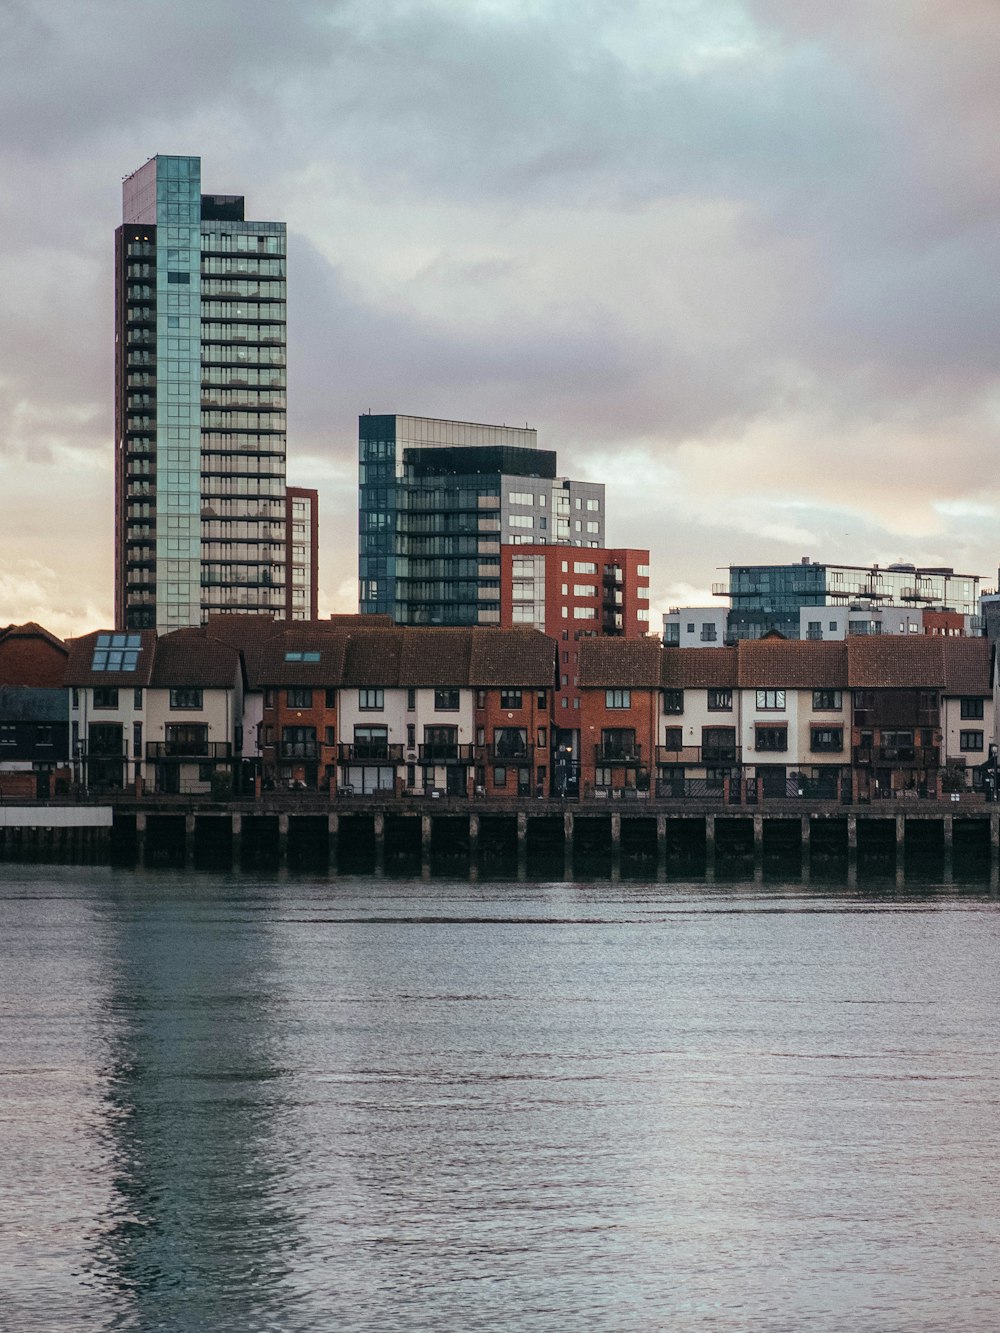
(735, 258)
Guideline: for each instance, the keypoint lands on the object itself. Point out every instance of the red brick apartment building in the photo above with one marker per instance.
(572, 593)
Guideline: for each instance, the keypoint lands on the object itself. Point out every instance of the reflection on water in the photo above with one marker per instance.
(192, 1087)
(372, 1104)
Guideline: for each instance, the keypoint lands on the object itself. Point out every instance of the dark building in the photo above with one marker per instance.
(34, 712)
(438, 499)
(302, 553)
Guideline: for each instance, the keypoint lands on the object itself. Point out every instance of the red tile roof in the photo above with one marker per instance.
(698, 668)
(630, 663)
(80, 670)
(778, 663)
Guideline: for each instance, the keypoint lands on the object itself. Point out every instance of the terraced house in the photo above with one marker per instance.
(856, 719)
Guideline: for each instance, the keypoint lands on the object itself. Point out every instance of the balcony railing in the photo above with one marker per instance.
(898, 756)
(188, 749)
(370, 752)
(713, 756)
(616, 753)
(439, 752)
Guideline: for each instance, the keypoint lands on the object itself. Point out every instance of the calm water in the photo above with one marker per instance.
(237, 1104)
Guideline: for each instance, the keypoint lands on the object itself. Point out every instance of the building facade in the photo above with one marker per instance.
(772, 597)
(34, 713)
(437, 502)
(199, 403)
(302, 553)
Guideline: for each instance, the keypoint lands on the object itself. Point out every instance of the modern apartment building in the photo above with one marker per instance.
(199, 403)
(302, 553)
(437, 502)
(770, 597)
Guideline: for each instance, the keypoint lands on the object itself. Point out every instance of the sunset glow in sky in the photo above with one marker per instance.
(736, 258)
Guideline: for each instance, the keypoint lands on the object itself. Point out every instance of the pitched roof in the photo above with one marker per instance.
(512, 657)
(193, 657)
(893, 661)
(267, 662)
(967, 666)
(80, 666)
(698, 668)
(32, 657)
(631, 663)
(791, 664)
(372, 658)
(435, 657)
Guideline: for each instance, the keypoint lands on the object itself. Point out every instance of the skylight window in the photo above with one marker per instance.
(301, 657)
(116, 652)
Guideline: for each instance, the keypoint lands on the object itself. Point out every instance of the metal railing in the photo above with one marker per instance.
(620, 754)
(188, 750)
(439, 752)
(369, 752)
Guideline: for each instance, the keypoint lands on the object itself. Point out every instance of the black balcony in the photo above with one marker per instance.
(624, 755)
(712, 756)
(188, 749)
(439, 752)
(370, 752)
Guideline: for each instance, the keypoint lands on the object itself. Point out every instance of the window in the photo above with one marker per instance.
(299, 698)
(970, 740)
(972, 708)
(593, 506)
(302, 657)
(331, 735)
(673, 701)
(187, 696)
(330, 697)
(827, 701)
(446, 700)
(298, 742)
(186, 738)
(521, 521)
(411, 699)
(499, 777)
(708, 632)
(510, 698)
(105, 697)
(771, 738)
(76, 697)
(137, 699)
(584, 567)
(584, 590)
(510, 742)
(116, 652)
(584, 612)
(542, 738)
(814, 629)
(371, 701)
(720, 701)
(771, 700)
(673, 738)
(8, 733)
(618, 743)
(520, 498)
(718, 745)
(618, 698)
(543, 696)
(137, 739)
(826, 740)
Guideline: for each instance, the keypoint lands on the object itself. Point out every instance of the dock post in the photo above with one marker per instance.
(852, 849)
(189, 840)
(425, 845)
(236, 855)
(758, 847)
(710, 846)
(379, 843)
(806, 848)
(568, 845)
(616, 846)
(473, 846)
(900, 848)
(283, 822)
(661, 847)
(522, 844)
(140, 838)
(949, 848)
(332, 837)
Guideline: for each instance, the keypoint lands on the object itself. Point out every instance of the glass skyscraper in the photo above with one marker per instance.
(436, 501)
(199, 403)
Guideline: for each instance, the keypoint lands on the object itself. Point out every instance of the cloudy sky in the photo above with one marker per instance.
(736, 258)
